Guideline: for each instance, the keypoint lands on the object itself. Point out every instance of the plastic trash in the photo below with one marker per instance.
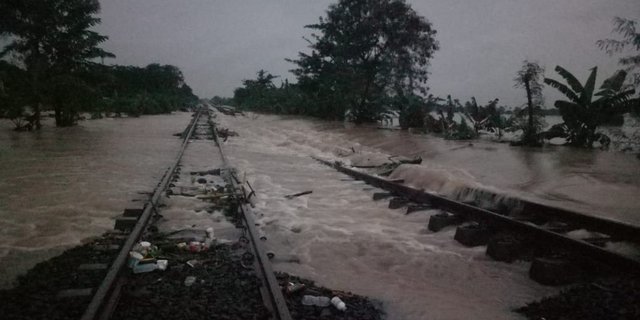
(162, 264)
(318, 301)
(196, 246)
(134, 258)
(193, 263)
(210, 233)
(188, 281)
(143, 247)
(339, 304)
(294, 287)
(145, 267)
(210, 238)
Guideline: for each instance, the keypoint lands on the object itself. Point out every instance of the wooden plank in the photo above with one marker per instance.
(125, 223)
(132, 213)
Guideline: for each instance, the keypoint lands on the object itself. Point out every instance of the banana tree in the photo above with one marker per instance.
(587, 109)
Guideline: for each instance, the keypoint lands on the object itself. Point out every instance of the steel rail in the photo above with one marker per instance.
(501, 221)
(273, 298)
(103, 292)
(619, 230)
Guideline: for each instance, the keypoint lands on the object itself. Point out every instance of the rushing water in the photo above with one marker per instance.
(344, 240)
(61, 186)
(592, 181)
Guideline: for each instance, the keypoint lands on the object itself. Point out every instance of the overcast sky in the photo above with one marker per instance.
(218, 43)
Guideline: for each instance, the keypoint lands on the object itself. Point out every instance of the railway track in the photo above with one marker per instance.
(547, 228)
(105, 299)
(271, 292)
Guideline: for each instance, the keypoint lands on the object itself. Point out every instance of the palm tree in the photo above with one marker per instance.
(528, 77)
(581, 114)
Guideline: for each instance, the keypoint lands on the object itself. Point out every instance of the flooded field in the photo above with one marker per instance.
(61, 186)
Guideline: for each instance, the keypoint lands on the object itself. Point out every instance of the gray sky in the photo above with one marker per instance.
(218, 43)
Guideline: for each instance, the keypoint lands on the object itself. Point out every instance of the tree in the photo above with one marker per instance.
(52, 38)
(630, 40)
(257, 94)
(150, 90)
(13, 95)
(68, 95)
(528, 77)
(581, 114)
(413, 110)
(366, 52)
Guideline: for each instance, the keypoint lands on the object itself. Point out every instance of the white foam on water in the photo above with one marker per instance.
(434, 178)
(346, 241)
(584, 234)
(625, 248)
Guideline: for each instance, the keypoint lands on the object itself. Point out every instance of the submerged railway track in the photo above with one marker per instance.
(163, 261)
(531, 225)
(106, 296)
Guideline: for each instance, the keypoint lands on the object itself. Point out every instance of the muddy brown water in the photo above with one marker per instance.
(62, 186)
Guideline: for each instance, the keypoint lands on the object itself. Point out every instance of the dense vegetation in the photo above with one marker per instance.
(369, 60)
(50, 63)
(149, 90)
(587, 109)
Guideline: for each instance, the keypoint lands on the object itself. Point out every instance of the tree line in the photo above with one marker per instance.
(50, 62)
(369, 60)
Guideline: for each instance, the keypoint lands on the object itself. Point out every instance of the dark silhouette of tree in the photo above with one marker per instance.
(14, 84)
(150, 90)
(630, 41)
(365, 52)
(582, 114)
(529, 77)
(257, 94)
(53, 38)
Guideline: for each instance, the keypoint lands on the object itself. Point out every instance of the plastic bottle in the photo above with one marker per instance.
(145, 267)
(134, 258)
(210, 233)
(339, 304)
(308, 300)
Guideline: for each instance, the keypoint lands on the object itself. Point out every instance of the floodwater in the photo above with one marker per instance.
(596, 182)
(591, 181)
(342, 239)
(62, 186)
